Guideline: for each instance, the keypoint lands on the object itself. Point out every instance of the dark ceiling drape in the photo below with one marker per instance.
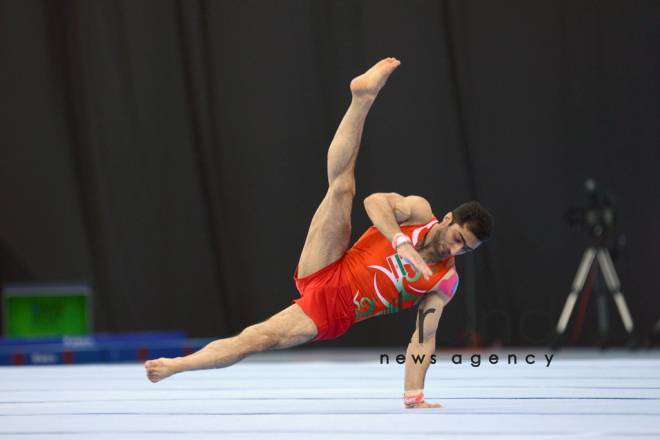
(173, 152)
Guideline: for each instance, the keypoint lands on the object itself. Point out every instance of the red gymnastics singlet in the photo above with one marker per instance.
(380, 279)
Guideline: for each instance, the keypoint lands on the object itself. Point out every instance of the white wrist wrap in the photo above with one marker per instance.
(400, 239)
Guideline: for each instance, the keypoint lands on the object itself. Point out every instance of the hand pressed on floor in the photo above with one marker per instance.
(423, 405)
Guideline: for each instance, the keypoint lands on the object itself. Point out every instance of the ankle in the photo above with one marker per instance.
(363, 100)
(177, 364)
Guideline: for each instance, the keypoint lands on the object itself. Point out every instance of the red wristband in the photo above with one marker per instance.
(413, 399)
(399, 240)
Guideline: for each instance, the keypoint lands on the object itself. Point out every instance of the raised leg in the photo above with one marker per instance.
(288, 328)
(330, 230)
(326, 242)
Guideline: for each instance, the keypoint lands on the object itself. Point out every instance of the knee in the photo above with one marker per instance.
(343, 186)
(258, 337)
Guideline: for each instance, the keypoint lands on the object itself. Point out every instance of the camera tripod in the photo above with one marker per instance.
(603, 260)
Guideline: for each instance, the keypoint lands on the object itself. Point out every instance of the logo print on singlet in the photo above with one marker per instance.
(396, 272)
(394, 261)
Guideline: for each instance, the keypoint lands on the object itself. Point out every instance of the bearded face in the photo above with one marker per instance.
(453, 239)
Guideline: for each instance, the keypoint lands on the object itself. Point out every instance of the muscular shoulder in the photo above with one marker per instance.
(419, 209)
(443, 291)
(447, 284)
(411, 210)
(433, 299)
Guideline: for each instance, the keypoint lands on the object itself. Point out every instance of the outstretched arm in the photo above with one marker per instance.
(388, 211)
(422, 346)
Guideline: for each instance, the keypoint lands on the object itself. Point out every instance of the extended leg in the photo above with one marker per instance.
(330, 231)
(288, 328)
(327, 241)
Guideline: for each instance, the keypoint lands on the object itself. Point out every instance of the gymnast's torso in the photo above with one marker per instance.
(382, 283)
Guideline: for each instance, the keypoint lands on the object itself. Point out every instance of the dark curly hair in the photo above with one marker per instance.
(475, 218)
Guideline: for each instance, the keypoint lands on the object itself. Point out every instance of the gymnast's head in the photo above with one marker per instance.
(463, 230)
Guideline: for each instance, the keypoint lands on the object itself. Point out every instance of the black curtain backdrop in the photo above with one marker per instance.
(174, 152)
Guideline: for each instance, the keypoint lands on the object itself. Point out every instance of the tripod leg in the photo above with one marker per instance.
(603, 319)
(613, 284)
(578, 283)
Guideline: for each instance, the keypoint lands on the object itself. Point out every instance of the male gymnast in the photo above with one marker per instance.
(406, 258)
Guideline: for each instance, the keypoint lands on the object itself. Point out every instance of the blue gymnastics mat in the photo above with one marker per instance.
(97, 348)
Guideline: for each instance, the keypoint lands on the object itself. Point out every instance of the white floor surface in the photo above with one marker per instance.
(587, 394)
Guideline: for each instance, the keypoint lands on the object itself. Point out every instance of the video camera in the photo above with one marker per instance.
(598, 216)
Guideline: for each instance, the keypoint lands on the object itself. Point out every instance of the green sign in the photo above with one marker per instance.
(41, 310)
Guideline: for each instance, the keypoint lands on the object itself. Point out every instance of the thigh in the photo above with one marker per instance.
(330, 231)
(289, 328)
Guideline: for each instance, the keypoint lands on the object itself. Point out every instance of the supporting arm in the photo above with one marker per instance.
(422, 346)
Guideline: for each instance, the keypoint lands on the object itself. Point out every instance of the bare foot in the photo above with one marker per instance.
(370, 83)
(159, 369)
